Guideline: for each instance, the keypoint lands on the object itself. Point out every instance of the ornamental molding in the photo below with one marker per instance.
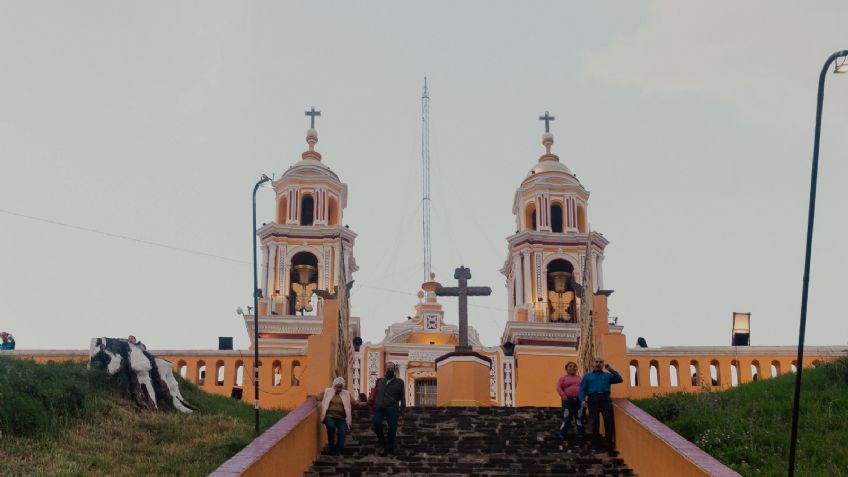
(543, 331)
(425, 356)
(754, 351)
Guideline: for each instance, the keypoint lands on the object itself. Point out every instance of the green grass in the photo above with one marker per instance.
(748, 427)
(60, 419)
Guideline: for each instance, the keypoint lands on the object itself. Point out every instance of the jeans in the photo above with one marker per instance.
(570, 412)
(334, 425)
(601, 405)
(390, 414)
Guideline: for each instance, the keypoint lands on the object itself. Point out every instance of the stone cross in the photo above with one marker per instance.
(547, 118)
(312, 113)
(463, 291)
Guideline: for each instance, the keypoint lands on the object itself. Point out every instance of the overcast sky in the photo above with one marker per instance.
(691, 125)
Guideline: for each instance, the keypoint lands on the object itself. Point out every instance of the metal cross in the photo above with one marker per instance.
(312, 113)
(547, 118)
(463, 291)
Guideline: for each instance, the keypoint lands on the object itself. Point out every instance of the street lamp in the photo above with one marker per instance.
(256, 294)
(840, 67)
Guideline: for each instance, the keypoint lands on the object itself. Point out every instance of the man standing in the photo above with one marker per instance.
(391, 390)
(568, 388)
(595, 394)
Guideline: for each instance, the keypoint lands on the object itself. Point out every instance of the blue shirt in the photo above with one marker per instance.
(598, 382)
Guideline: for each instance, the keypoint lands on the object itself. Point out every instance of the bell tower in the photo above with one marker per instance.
(547, 254)
(303, 250)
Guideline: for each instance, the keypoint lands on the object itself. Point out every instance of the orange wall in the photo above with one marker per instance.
(462, 383)
(287, 449)
(650, 448)
(536, 377)
(684, 382)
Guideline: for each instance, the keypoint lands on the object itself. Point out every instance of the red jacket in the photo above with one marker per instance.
(568, 386)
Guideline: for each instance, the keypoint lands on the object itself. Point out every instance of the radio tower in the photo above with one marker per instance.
(425, 163)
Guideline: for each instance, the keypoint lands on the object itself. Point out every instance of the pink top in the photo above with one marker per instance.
(568, 386)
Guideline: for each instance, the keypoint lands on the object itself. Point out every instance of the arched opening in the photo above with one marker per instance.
(333, 211)
(755, 370)
(560, 279)
(201, 373)
(282, 209)
(581, 218)
(219, 373)
(734, 373)
(654, 373)
(277, 370)
(694, 372)
(239, 376)
(715, 376)
(794, 366)
(530, 217)
(556, 218)
(634, 373)
(816, 363)
(775, 369)
(673, 374)
(182, 369)
(307, 210)
(304, 282)
(295, 373)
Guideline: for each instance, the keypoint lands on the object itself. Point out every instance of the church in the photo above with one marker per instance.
(553, 270)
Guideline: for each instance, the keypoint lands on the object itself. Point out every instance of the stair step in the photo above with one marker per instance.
(479, 442)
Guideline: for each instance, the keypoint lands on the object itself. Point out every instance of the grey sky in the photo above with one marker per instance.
(691, 125)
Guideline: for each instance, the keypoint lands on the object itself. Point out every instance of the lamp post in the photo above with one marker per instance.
(840, 68)
(256, 293)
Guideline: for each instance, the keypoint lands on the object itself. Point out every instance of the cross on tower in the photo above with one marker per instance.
(547, 118)
(312, 113)
(463, 291)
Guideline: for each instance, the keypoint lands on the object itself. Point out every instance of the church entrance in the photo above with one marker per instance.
(425, 392)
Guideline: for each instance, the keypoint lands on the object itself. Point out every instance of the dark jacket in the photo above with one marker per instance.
(390, 392)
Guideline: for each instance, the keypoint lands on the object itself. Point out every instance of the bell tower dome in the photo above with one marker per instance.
(547, 254)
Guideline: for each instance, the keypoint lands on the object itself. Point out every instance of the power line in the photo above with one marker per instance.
(124, 237)
(195, 252)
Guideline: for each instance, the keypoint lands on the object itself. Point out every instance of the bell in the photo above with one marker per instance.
(304, 273)
(560, 281)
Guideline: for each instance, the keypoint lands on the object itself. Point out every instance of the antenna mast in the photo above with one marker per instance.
(425, 163)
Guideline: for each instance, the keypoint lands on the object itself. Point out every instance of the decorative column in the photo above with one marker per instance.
(269, 272)
(516, 279)
(527, 278)
(264, 273)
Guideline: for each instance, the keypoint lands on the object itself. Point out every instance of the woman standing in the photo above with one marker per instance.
(568, 388)
(336, 415)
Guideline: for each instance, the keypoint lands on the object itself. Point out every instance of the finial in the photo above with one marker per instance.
(547, 141)
(312, 136)
(432, 276)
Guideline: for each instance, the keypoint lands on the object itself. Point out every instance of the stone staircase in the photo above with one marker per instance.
(470, 441)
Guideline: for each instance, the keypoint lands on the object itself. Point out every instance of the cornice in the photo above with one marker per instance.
(314, 232)
(535, 237)
(738, 351)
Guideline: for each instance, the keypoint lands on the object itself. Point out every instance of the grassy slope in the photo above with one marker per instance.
(58, 419)
(748, 427)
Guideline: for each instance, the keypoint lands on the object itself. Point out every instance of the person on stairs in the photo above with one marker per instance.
(568, 388)
(336, 415)
(389, 404)
(595, 395)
